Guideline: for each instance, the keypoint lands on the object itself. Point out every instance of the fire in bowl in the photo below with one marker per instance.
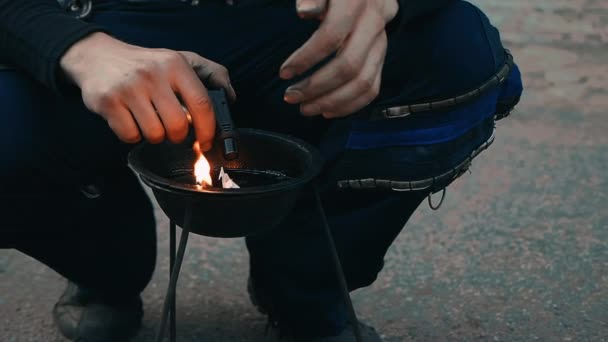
(270, 169)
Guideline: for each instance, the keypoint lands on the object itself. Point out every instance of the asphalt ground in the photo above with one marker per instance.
(518, 252)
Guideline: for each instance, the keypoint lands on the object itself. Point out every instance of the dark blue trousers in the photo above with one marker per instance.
(51, 146)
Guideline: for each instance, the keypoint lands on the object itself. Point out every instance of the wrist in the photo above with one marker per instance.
(77, 59)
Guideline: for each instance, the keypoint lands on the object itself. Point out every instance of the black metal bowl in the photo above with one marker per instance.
(286, 164)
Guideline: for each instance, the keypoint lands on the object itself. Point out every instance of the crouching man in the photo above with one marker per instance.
(399, 95)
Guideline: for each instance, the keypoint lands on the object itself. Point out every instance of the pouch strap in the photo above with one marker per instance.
(434, 184)
(407, 110)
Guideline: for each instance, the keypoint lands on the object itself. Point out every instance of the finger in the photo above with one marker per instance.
(347, 99)
(194, 95)
(358, 103)
(171, 114)
(213, 74)
(332, 32)
(148, 121)
(391, 8)
(311, 9)
(344, 67)
(123, 124)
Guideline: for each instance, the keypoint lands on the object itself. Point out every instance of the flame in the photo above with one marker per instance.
(202, 169)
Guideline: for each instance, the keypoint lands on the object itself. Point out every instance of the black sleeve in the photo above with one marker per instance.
(34, 34)
(410, 10)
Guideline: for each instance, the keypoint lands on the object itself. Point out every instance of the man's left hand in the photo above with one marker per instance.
(355, 31)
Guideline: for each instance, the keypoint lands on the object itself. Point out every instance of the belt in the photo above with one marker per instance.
(82, 9)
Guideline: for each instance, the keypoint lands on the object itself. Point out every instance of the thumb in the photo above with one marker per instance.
(212, 74)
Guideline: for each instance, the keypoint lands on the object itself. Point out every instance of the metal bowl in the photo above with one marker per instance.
(218, 212)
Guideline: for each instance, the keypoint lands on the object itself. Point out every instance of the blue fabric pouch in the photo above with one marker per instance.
(416, 148)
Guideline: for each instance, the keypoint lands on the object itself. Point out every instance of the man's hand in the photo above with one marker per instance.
(136, 89)
(355, 31)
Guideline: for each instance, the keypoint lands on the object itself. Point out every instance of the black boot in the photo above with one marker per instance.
(84, 316)
(280, 333)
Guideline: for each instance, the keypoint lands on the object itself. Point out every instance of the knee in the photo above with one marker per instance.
(364, 273)
(21, 132)
(38, 127)
(465, 44)
(456, 47)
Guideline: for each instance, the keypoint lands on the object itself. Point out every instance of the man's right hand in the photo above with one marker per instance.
(136, 89)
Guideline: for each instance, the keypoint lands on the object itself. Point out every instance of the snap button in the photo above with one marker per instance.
(79, 9)
(90, 191)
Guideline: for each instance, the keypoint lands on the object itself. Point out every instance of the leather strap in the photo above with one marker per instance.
(407, 110)
(434, 184)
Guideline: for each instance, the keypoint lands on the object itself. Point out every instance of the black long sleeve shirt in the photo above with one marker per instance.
(34, 34)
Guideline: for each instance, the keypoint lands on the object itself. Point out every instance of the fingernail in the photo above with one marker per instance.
(307, 6)
(311, 109)
(287, 73)
(293, 96)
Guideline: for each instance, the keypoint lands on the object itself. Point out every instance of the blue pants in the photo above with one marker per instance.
(95, 241)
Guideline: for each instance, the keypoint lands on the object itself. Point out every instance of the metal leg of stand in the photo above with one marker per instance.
(339, 272)
(172, 309)
(170, 296)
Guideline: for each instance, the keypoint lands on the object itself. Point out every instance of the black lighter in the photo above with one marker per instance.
(225, 127)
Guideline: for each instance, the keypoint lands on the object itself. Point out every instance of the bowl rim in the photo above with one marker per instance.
(165, 184)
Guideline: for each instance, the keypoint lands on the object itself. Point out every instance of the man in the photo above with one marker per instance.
(398, 95)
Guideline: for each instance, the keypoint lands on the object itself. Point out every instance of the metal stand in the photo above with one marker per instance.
(176, 259)
(169, 306)
(172, 244)
(354, 322)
